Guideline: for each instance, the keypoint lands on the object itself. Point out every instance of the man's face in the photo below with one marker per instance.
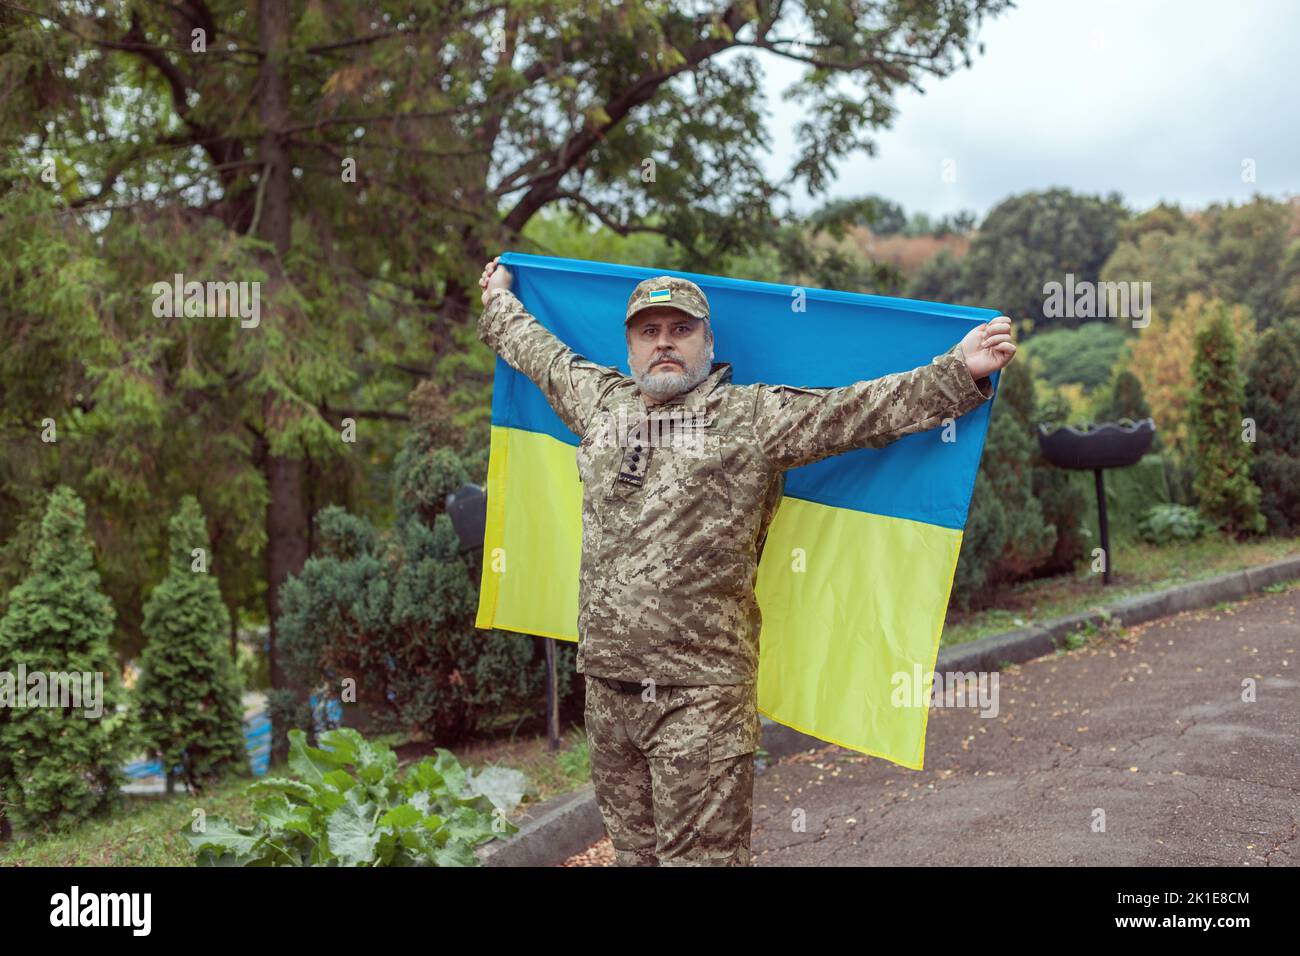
(668, 351)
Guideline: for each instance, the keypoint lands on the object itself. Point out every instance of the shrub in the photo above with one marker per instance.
(1006, 535)
(1224, 491)
(395, 612)
(1273, 401)
(349, 806)
(188, 697)
(58, 765)
(1166, 523)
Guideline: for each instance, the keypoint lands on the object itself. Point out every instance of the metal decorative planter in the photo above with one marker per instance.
(1098, 447)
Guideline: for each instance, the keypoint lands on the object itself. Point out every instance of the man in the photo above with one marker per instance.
(672, 530)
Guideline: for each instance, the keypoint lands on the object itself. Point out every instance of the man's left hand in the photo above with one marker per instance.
(988, 347)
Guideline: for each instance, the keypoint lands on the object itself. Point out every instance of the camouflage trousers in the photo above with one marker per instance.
(674, 775)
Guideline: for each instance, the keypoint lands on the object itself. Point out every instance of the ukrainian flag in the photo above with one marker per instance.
(858, 565)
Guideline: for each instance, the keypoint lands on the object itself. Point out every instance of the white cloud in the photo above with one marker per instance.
(1157, 101)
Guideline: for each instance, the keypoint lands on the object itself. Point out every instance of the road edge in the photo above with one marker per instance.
(559, 828)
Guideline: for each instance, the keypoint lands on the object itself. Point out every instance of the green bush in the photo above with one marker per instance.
(188, 699)
(1130, 493)
(1124, 399)
(1064, 504)
(394, 611)
(59, 765)
(1167, 523)
(1006, 535)
(1225, 493)
(1084, 355)
(349, 806)
(1273, 401)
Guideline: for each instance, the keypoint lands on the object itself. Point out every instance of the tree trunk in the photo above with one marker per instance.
(286, 517)
(286, 544)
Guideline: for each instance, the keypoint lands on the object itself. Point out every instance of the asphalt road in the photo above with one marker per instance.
(1145, 731)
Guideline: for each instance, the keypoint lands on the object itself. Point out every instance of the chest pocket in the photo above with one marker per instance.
(688, 479)
(683, 476)
(596, 454)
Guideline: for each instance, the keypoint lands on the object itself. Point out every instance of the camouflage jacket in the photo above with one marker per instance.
(671, 538)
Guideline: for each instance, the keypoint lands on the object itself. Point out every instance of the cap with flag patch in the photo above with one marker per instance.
(672, 291)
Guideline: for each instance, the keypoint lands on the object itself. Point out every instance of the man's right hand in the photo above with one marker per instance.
(495, 276)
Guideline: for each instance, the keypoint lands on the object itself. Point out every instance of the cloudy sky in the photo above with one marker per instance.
(1158, 100)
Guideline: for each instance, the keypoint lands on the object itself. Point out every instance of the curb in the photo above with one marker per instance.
(549, 833)
(558, 828)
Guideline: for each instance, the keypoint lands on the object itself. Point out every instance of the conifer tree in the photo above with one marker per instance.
(59, 763)
(188, 697)
(1224, 490)
(1273, 402)
(1007, 534)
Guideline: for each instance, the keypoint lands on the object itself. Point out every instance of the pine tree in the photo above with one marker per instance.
(393, 610)
(1273, 401)
(188, 697)
(1161, 358)
(1225, 492)
(1126, 399)
(1007, 535)
(59, 765)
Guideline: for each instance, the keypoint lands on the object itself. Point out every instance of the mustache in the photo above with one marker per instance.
(676, 360)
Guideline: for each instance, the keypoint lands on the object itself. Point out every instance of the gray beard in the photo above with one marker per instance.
(664, 385)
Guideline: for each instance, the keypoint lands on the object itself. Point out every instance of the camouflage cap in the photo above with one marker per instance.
(672, 291)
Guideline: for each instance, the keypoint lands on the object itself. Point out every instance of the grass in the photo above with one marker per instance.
(147, 831)
(1138, 568)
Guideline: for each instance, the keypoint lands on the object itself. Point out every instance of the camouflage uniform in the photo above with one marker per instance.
(671, 537)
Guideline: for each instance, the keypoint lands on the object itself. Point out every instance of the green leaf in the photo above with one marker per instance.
(310, 763)
(352, 834)
(283, 785)
(279, 814)
(404, 816)
(222, 837)
(504, 786)
(456, 854)
(340, 780)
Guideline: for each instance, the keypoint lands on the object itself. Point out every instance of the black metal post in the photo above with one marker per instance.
(1101, 526)
(467, 508)
(552, 697)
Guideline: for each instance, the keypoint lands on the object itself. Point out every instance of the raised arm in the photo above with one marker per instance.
(797, 426)
(572, 385)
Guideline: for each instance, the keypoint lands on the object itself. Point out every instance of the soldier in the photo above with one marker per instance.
(668, 624)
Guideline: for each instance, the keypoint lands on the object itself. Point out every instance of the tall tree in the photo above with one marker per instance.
(1224, 490)
(1273, 402)
(187, 698)
(1162, 354)
(362, 159)
(1029, 240)
(60, 751)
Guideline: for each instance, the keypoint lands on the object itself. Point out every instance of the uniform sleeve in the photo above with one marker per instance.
(797, 426)
(572, 384)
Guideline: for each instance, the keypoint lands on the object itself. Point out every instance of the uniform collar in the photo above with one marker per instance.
(719, 374)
